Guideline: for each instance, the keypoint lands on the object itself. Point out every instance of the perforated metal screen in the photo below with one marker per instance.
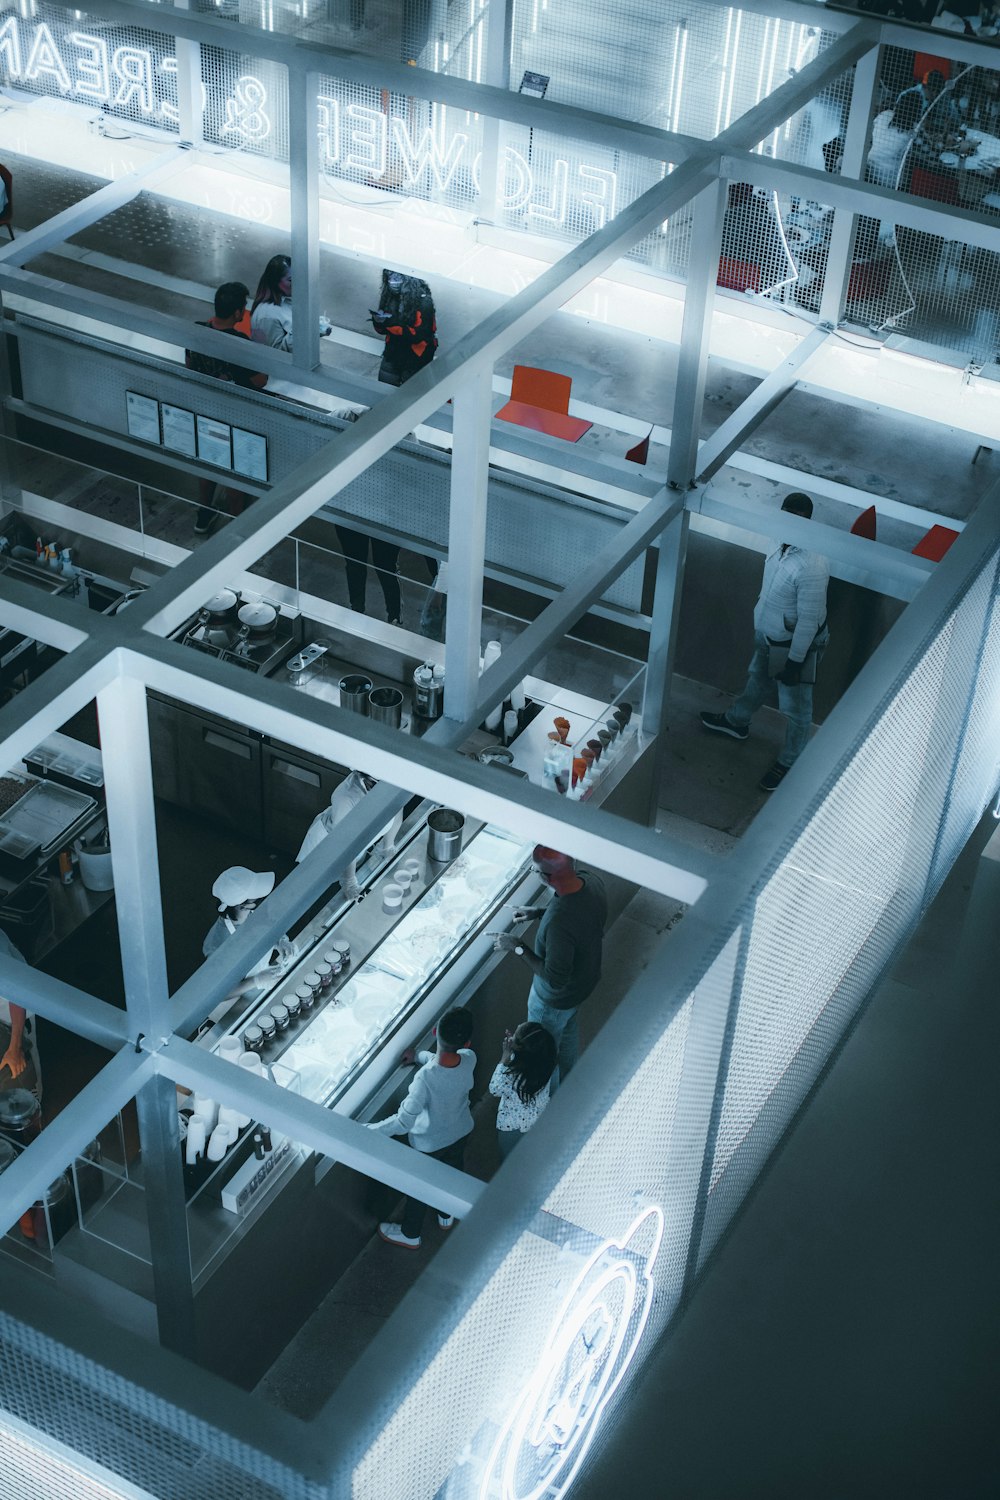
(128, 73)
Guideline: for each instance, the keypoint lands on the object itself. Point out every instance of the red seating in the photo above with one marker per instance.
(924, 184)
(865, 524)
(935, 543)
(640, 452)
(738, 275)
(8, 213)
(539, 399)
(869, 278)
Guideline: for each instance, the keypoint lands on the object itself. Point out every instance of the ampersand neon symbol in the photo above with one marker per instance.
(245, 110)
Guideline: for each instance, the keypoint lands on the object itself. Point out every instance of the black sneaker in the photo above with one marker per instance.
(772, 779)
(205, 522)
(719, 724)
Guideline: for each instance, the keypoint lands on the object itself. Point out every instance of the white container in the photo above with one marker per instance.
(392, 899)
(95, 869)
(223, 1137)
(231, 1048)
(195, 1143)
(206, 1109)
(403, 877)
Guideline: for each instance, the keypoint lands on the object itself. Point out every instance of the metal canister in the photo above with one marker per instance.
(279, 1015)
(428, 693)
(304, 995)
(354, 691)
(325, 972)
(292, 1004)
(267, 1027)
(335, 959)
(446, 827)
(20, 1116)
(385, 706)
(313, 980)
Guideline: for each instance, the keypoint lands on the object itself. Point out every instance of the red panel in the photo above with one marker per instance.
(924, 184)
(555, 423)
(541, 388)
(865, 524)
(640, 452)
(738, 275)
(936, 543)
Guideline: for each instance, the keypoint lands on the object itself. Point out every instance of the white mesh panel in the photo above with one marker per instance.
(859, 866)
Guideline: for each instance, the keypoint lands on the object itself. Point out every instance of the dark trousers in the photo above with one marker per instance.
(414, 1211)
(385, 557)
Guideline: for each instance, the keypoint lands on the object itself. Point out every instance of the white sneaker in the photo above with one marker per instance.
(393, 1235)
(446, 1220)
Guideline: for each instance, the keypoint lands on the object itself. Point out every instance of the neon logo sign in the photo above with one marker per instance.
(358, 138)
(587, 1352)
(353, 137)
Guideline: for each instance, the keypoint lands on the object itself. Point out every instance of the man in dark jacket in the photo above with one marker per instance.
(566, 958)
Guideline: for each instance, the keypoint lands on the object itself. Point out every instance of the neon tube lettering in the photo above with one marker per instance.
(93, 79)
(134, 69)
(554, 212)
(367, 140)
(600, 199)
(167, 110)
(516, 197)
(426, 153)
(10, 47)
(328, 123)
(44, 58)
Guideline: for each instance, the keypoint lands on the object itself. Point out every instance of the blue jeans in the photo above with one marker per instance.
(561, 1026)
(796, 703)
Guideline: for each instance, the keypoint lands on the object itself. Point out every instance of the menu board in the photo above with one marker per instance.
(214, 442)
(178, 430)
(143, 416)
(250, 454)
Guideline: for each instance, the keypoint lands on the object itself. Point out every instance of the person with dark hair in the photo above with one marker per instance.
(434, 1116)
(230, 305)
(406, 319)
(790, 636)
(271, 313)
(521, 1082)
(893, 133)
(566, 958)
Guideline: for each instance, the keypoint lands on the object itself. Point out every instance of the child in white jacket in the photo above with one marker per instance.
(435, 1115)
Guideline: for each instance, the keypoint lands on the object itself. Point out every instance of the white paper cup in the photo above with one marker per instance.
(252, 1063)
(206, 1109)
(223, 1137)
(230, 1048)
(195, 1145)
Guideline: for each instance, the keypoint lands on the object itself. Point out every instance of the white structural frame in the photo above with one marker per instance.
(117, 660)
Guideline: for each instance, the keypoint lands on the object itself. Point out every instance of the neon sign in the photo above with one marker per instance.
(354, 138)
(585, 1357)
(358, 138)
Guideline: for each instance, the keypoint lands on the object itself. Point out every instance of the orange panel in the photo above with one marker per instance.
(936, 543)
(541, 388)
(865, 524)
(556, 424)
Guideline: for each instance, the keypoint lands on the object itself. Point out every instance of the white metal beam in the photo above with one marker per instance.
(320, 1129)
(27, 1179)
(470, 463)
(597, 837)
(80, 216)
(716, 450)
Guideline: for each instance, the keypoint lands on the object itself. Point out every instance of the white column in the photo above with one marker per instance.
(303, 171)
(699, 302)
(838, 261)
(121, 708)
(470, 456)
(189, 88)
(496, 71)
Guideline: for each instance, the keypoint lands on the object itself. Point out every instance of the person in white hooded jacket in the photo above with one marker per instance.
(348, 794)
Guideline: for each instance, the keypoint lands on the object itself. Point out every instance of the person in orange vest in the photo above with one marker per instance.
(405, 317)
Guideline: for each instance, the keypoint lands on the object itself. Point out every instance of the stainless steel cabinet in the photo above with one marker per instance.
(207, 765)
(296, 788)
